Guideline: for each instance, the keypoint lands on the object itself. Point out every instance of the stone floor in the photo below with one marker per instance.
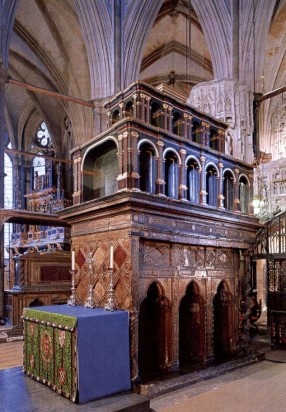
(258, 387)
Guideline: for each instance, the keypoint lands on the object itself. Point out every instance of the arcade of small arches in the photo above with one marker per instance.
(185, 176)
(180, 121)
(156, 334)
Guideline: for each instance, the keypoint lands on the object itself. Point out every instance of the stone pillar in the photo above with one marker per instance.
(147, 109)
(186, 125)
(170, 119)
(220, 187)
(143, 105)
(121, 113)
(122, 160)
(175, 321)
(236, 191)
(203, 193)
(136, 106)
(206, 135)
(183, 187)
(165, 119)
(133, 161)
(221, 141)
(250, 196)
(160, 182)
(77, 181)
(3, 77)
(232, 103)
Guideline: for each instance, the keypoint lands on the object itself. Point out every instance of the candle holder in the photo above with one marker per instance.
(110, 305)
(89, 303)
(72, 299)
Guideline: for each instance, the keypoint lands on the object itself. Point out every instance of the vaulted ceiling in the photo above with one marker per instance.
(82, 48)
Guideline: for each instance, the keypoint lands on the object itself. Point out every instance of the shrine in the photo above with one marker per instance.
(158, 188)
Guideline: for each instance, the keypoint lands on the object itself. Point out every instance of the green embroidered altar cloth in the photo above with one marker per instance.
(50, 350)
(81, 353)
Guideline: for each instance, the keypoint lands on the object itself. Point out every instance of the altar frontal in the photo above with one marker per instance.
(81, 353)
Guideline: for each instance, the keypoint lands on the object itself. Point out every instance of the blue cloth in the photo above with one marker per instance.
(102, 350)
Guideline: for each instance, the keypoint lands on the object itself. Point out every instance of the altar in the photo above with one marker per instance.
(81, 353)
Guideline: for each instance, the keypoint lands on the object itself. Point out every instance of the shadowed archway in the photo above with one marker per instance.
(155, 333)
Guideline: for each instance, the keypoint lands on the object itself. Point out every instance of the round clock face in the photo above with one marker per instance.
(43, 135)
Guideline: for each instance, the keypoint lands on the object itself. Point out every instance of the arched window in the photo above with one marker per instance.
(171, 176)
(115, 116)
(193, 181)
(178, 124)
(214, 142)
(243, 194)
(211, 186)
(156, 114)
(100, 171)
(129, 109)
(39, 172)
(147, 167)
(196, 132)
(43, 137)
(228, 190)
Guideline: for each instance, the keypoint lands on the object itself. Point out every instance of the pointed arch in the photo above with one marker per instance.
(98, 34)
(217, 35)
(224, 322)
(155, 332)
(192, 326)
(8, 10)
(139, 20)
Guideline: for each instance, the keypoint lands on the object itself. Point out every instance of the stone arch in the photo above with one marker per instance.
(192, 327)
(172, 162)
(212, 175)
(100, 169)
(151, 144)
(224, 324)
(193, 173)
(147, 166)
(155, 333)
(244, 193)
(228, 188)
(138, 22)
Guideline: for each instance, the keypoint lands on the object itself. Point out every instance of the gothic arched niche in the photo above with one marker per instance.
(100, 170)
(191, 327)
(147, 166)
(224, 328)
(155, 333)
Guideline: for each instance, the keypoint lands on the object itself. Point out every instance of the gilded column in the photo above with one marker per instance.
(147, 109)
(121, 111)
(221, 137)
(143, 106)
(77, 183)
(160, 182)
(170, 119)
(135, 176)
(183, 187)
(206, 135)
(236, 191)
(136, 105)
(203, 193)
(122, 161)
(165, 120)
(186, 124)
(220, 187)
